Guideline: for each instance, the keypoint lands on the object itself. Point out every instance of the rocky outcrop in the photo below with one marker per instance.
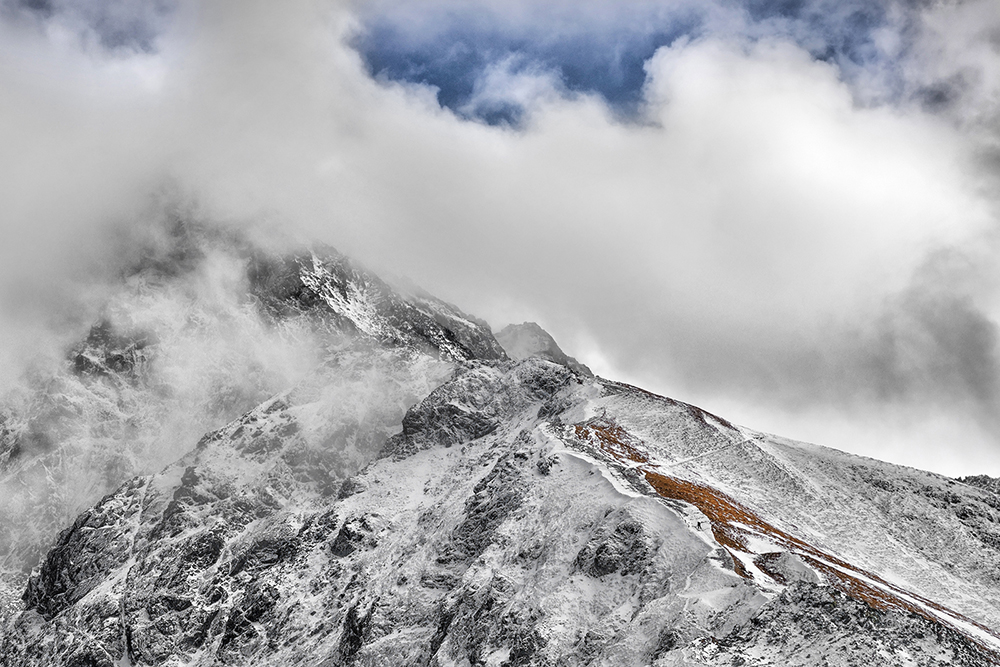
(528, 339)
(329, 287)
(506, 524)
(419, 498)
(983, 482)
(110, 353)
(454, 546)
(157, 370)
(811, 625)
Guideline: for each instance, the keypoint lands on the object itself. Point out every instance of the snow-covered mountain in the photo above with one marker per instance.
(528, 339)
(417, 496)
(203, 326)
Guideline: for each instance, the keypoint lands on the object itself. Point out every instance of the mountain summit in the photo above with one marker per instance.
(411, 490)
(521, 341)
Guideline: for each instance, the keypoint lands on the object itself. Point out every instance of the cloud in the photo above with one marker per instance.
(599, 46)
(762, 232)
(116, 25)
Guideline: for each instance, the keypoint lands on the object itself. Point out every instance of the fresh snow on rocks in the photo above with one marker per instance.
(420, 496)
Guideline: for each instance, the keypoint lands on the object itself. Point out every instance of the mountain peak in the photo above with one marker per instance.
(529, 339)
(421, 492)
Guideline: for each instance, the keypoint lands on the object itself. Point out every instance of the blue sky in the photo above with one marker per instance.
(453, 45)
(587, 47)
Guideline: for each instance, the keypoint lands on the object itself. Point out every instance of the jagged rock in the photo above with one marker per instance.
(621, 547)
(328, 286)
(111, 354)
(421, 499)
(98, 542)
(786, 568)
(809, 624)
(471, 405)
(111, 410)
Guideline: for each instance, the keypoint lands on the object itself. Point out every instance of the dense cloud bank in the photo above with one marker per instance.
(785, 211)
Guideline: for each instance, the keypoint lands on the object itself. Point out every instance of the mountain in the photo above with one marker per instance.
(419, 496)
(203, 325)
(521, 341)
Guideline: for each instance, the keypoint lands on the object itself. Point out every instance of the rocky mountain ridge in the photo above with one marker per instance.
(419, 498)
(203, 326)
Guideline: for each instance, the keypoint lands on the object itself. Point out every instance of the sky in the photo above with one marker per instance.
(784, 211)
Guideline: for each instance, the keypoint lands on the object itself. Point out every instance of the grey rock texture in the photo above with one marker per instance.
(205, 325)
(493, 529)
(983, 482)
(334, 290)
(107, 352)
(528, 339)
(452, 547)
(811, 625)
(418, 497)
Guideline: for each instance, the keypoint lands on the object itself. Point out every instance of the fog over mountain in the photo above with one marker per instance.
(784, 212)
(381, 480)
(351, 333)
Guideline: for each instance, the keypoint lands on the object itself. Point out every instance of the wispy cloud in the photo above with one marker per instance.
(740, 204)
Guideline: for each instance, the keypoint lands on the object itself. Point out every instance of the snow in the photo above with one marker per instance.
(552, 493)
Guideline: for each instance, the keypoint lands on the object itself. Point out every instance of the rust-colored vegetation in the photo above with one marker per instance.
(732, 523)
(613, 439)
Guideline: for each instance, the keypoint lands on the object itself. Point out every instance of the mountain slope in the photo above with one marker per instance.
(417, 498)
(506, 524)
(203, 325)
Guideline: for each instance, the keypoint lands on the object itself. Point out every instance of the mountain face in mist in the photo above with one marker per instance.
(522, 341)
(379, 480)
(202, 327)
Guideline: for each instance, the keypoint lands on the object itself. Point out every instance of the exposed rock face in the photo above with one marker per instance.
(332, 289)
(453, 547)
(420, 499)
(107, 352)
(509, 522)
(522, 341)
(204, 328)
(811, 625)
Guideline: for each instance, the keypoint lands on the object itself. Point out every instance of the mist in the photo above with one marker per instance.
(788, 221)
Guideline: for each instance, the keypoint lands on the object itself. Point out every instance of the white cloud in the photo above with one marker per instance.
(733, 249)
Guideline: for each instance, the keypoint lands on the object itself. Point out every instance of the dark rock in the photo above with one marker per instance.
(472, 404)
(108, 353)
(357, 624)
(265, 552)
(809, 617)
(355, 534)
(250, 613)
(98, 541)
(496, 496)
(203, 550)
(320, 283)
(625, 549)
(438, 580)
(349, 487)
(983, 482)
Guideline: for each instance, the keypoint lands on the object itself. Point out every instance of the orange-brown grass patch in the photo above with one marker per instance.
(723, 512)
(613, 439)
(861, 590)
(732, 523)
